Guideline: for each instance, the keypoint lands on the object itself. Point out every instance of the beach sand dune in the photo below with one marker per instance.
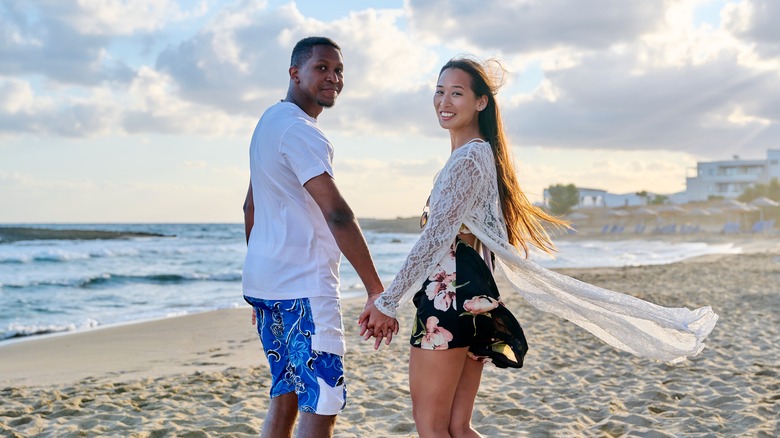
(203, 375)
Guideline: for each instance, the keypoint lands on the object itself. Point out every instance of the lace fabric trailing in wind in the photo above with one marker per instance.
(466, 193)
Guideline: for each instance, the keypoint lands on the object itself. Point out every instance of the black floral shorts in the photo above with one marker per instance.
(459, 306)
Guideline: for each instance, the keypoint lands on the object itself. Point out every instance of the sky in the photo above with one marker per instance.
(142, 110)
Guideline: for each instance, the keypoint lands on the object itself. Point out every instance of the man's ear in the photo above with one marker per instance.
(293, 71)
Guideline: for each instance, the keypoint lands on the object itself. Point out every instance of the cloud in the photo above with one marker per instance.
(239, 62)
(755, 21)
(24, 111)
(123, 17)
(535, 25)
(42, 38)
(235, 63)
(599, 106)
(614, 171)
(153, 106)
(679, 89)
(386, 114)
(685, 108)
(83, 199)
(147, 105)
(30, 182)
(633, 75)
(398, 187)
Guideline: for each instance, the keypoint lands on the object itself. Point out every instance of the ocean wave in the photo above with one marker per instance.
(121, 252)
(53, 256)
(58, 256)
(16, 330)
(15, 258)
(108, 279)
(42, 256)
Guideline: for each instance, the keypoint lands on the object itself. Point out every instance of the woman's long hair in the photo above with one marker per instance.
(523, 219)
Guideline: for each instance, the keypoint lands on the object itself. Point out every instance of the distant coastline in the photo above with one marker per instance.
(397, 225)
(15, 234)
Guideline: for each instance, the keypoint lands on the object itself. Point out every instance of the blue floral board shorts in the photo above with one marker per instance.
(304, 344)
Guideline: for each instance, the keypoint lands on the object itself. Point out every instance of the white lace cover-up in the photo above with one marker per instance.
(466, 193)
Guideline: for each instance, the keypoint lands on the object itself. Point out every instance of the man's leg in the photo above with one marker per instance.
(281, 415)
(273, 324)
(316, 426)
(324, 371)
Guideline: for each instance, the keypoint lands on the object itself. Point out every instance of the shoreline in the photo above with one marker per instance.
(17, 345)
(746, 244)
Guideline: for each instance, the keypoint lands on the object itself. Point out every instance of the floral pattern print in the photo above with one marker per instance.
(441, 286)
(285, 328)
(480, 305)
(483, 359)
(464, 309)
(435, 338)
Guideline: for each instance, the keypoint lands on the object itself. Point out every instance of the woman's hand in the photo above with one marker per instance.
(375, 323)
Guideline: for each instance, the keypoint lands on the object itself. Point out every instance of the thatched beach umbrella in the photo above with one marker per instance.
(734, 205)
(671, 209)
(737, 207)
(620, 214)
(644, 211)
(696, 215)
(761, 202)
(702, 212)
(576, 216)
(617, 213)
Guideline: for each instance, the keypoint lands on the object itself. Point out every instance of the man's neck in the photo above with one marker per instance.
(311, 108)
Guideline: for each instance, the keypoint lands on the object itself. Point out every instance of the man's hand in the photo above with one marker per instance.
(254, 316)
(375, 323)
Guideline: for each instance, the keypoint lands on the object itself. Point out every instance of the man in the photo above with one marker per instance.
(297, 225)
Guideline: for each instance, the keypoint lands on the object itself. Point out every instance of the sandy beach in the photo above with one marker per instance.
(204, 374)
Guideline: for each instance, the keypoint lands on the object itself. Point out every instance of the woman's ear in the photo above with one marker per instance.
(482, 103)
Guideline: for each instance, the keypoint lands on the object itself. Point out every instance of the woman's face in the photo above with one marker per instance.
(456, 105)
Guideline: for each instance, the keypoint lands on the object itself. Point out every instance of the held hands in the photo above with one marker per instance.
(375, 323)
(372, 323)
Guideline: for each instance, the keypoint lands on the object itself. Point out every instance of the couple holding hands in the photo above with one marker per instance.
(477, 220)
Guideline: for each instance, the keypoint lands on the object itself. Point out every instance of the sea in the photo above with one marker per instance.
(69, 284)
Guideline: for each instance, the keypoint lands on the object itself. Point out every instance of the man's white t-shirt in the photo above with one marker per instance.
(291, 251)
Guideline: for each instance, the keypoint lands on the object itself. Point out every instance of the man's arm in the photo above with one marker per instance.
(249, 222)
(249, 212)
(344, 226)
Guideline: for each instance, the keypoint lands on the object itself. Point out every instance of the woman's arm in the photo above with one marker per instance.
(457, 188)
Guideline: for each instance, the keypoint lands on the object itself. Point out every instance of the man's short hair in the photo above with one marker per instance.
(303, 49)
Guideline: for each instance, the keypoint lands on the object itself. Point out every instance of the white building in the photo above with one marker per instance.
(730, 178)
(597, 198)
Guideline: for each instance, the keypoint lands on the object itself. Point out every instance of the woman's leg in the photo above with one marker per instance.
(463, 404)
(433, 381)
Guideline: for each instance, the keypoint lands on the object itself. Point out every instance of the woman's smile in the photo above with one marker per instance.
(446, 115)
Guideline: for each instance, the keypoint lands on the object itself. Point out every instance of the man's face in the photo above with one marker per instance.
(321, 77)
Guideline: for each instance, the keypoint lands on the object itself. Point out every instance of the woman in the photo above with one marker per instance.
(479, 217)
